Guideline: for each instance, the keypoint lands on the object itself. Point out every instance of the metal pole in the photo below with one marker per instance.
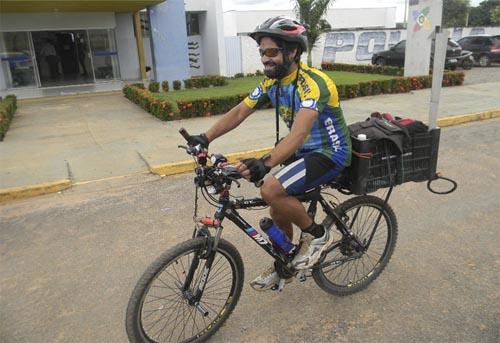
(441, 41)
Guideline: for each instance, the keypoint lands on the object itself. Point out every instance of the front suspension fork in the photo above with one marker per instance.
(208, 253)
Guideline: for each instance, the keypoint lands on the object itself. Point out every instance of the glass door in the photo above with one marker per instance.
(104, 54)
(16, 60)
(62, 58)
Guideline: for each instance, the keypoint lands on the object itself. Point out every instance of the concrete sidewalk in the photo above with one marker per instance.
(63, 141)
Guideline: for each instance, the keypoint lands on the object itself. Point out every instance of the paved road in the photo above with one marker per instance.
(482, 75)
(69, 261)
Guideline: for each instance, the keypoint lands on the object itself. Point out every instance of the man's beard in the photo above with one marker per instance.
(278, 72)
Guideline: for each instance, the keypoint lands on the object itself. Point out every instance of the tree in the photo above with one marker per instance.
(495, 16)
(455, 12)
(311, 13)
(482, 14)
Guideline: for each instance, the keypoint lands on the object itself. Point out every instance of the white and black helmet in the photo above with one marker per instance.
(287, 29)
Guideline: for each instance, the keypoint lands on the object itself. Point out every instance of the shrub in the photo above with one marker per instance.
(386, 86)
(238, 75)
(259, 73)
(138, 85)
(376, 87)
(188, 83)
(154, 87)
(363, 68)
(8, 107)
(161, 109)
(205, 81)
(164, 86)
(177, 85)
(365, 88)
(351, 91)
(341, 91)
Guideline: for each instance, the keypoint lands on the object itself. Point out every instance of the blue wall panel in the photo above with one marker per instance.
(169, 41)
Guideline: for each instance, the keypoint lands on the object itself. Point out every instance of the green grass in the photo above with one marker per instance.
(245, 85)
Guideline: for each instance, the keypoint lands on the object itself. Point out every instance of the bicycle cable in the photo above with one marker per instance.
(438, 176)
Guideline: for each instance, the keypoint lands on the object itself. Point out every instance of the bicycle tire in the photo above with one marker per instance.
(135, 310)
(321, 275)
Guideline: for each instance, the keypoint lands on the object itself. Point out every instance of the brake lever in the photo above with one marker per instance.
(236, 181)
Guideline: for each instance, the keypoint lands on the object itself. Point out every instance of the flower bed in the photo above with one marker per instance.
(164, 110)
(8, 107)
(161, 109)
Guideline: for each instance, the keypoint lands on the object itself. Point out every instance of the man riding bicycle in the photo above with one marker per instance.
(319, 142)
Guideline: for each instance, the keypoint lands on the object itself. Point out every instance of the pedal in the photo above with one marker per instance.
(301, 276)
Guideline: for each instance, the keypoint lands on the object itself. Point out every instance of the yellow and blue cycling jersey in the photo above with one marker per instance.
(315, 90)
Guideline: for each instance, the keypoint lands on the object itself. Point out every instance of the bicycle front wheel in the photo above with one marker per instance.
(160, 311)
(344, 270)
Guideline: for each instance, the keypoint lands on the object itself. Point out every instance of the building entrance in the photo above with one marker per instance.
(63, 58)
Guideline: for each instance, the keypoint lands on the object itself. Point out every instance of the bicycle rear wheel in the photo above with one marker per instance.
(158, 309)
(345, 271)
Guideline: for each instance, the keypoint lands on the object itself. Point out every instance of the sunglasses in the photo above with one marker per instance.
(270, 52)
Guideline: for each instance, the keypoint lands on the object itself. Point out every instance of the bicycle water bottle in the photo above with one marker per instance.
(277, 236)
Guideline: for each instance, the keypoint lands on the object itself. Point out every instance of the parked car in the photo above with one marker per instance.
(485, 48)
(395, 56)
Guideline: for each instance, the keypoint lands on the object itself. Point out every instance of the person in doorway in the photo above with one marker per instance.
(82, 55)
(307, 100)
(49, 53)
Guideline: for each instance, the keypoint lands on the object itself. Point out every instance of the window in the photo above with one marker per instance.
(192, 24)
(16, 59)
(400, 47)
(477, 41)
(104, 54)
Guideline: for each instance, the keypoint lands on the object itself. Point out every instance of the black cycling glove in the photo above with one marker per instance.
(198, 139)
(257, 168)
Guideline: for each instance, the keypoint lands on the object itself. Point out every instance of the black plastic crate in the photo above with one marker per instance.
(379, 163)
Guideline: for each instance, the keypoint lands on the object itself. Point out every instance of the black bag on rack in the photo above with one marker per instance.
(391, 155)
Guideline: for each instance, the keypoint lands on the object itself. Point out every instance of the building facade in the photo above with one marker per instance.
(63, 47)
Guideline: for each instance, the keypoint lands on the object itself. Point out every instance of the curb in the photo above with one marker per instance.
(68, 97)
(188, 166)
(466, 118)
(33, 190)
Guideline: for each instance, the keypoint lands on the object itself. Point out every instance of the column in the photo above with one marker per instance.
(169, 41)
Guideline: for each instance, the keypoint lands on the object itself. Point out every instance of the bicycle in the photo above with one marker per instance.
(192, 288)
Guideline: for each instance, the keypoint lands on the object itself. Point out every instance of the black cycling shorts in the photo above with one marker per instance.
(306, 173)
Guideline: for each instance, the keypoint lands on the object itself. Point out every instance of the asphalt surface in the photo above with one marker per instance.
(70, 260)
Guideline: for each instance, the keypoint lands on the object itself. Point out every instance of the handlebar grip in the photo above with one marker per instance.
(184, 133)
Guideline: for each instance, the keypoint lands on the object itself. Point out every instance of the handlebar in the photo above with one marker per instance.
(201, 156)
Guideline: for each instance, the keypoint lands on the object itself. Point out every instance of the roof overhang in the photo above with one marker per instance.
(22, 6)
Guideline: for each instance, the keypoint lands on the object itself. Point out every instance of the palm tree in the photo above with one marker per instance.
(311, 13)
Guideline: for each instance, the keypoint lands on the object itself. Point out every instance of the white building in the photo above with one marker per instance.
(237, 23)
